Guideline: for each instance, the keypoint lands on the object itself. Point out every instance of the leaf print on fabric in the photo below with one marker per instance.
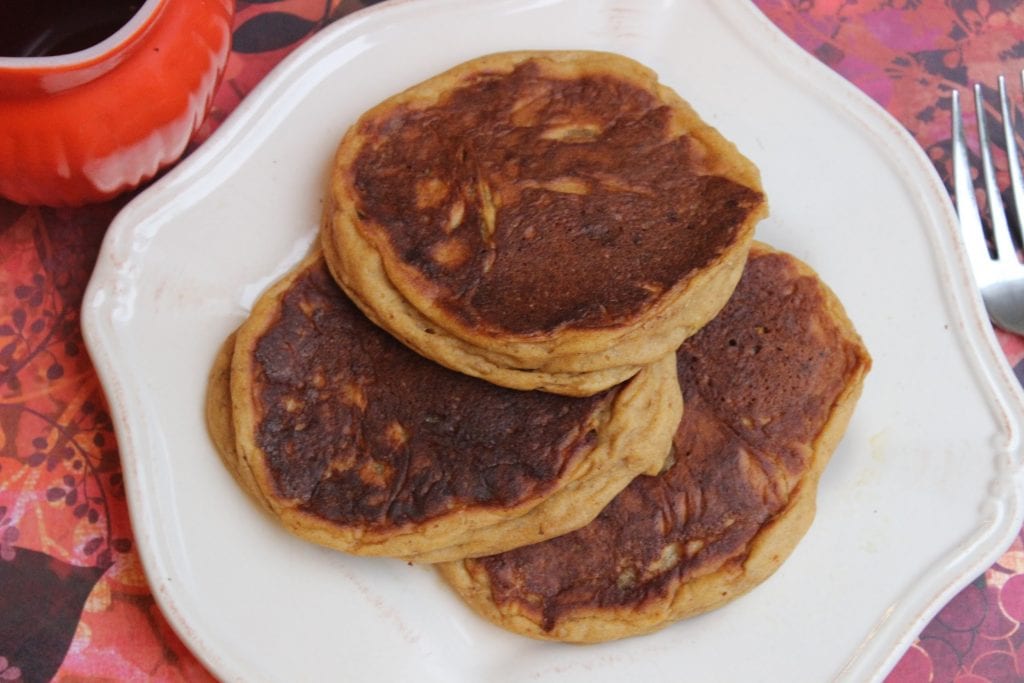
(40, 605)
(8, 672)
(270, 31)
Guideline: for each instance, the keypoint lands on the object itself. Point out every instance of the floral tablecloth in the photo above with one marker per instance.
(74, 603)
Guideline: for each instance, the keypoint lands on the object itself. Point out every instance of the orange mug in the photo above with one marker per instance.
(90, 124)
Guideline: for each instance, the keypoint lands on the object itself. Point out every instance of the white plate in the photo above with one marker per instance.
(922, 495)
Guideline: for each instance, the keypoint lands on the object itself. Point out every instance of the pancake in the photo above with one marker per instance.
(542, 220)
(355, 442)
(769, 387)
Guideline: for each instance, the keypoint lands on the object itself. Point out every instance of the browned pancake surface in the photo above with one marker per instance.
(768, 386)
(364, 431)
(533, 203)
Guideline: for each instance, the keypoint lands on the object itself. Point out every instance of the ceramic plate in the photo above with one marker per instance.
(922, 495)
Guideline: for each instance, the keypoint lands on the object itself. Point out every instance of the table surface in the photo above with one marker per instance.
(74, 603)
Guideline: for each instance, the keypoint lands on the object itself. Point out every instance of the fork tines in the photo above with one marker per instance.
(967, 207)
(1000, 269)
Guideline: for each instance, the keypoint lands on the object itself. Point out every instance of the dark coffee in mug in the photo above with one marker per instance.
(37, 28)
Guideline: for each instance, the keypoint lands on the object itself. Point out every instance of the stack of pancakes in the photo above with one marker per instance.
(538, 346)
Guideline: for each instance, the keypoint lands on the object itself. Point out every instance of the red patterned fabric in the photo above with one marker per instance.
(74, 603)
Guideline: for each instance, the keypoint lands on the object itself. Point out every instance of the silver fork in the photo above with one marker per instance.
(1000, 277)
